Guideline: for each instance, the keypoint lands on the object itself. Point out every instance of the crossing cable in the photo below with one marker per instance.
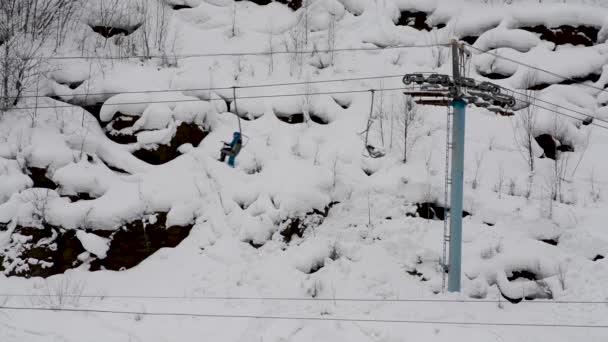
(532, 103)
(262, 85)
(566, 78)
(302, 299)
(220, 99)
(317, 93)
(229, 54)
(309, 318)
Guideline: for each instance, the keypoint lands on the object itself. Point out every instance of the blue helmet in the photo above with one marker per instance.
(237, 134)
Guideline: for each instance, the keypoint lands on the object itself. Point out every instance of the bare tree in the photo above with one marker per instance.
(307, 101)
(304, 19)
(500, 181)
(526, 122)
(27, 27)
(478, 160)
(331, 38)
(561, 275)
(296, 45)
(594, 190)
(270, 50)
(439, 53)
(233, 30)
(408, 121)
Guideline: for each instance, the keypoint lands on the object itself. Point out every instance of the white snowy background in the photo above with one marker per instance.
(367, 244)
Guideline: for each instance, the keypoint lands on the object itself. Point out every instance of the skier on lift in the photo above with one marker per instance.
(231, 149)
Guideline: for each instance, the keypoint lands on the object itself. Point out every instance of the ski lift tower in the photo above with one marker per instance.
(455, 93)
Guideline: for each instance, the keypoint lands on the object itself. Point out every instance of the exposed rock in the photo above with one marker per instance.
(298, 225)
(525, 274)
(50, 250)
(40, 252)
(179, 7)
(552, 242)
(186, 133)
(317, 119)
(432, 211)
(566, 34)
(94, 109)
(137, 240)
(598, 257)
(297, 118)
(40, 178)
(114, 129)
(293, 4)
(344, 103)
(548, 144)
(470, 39)
(109, 31)
(495, 76)
(255, 245)
(416, 20)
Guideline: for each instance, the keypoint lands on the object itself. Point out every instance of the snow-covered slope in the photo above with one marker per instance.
(111, 195)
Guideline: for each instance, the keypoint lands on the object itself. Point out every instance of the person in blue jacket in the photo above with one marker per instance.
(232, 149)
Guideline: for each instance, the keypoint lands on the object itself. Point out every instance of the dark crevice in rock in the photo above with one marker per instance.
(489, 224)
(185, 133)
(110, 31)
(120, 122)
(317, 119)
(433, 211)
(81, 196)
(94, 109)
(345, 104)
(118, 170)
(511, 300)
(587, 121)
(293, 4)
(316, 267)
(49, 250)
(548, 144)
(566, 34)
(298, 225)
(255, 245)
(565, 148)
(74, 85)
(137, 240)
(71, 85)
(522, 274)
(40, 178)
(417, 274)
(551, 146)
(416, 20)
(297, 118)
(495, 76)
(469, 39)
(598, 257)
(179, 7)
(552, 242)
